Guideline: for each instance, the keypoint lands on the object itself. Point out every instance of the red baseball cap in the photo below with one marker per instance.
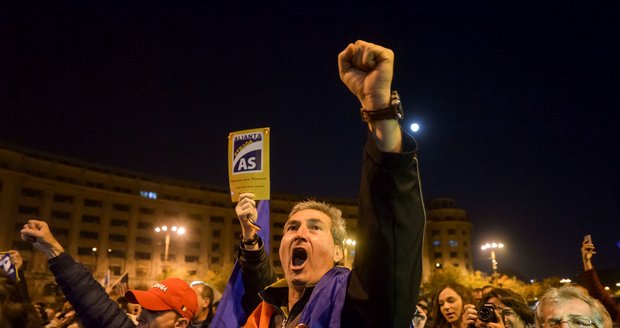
(170, 294)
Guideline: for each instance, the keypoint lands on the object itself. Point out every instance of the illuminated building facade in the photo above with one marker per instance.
(447, 237)
(105, 218)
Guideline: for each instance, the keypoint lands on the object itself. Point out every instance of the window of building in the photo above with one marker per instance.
(145, 225)
(115, 270)
(118, 238)
(93, 203)
(93, 184)
(119, 223)
(453, 255)
(33, 193)
(196, 217)
(144, 240)
(61, 215)
(277, 237)
(275, 250)
(191, 258)
(116, 253)
(216, 233)
(122, 189)
(279, 210)
(148, 194)
(451, 231)
(90, 219)
(215, 247)
(455, 265)
(143, 256)
(146, 210)
(89, 234)
(192, 272)
(28, 210)
(121, 207)
(278, 225)
(58, 198)
(453, 243)
(85, 251)
(466, 255)
(435, 232)
(235, 221)
(216, 219)
(215, 260)
(436, 255)
(59, 232)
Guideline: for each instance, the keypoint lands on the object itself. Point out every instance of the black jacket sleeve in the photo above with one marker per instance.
(256, 273)
(92, 304)
(385, 280)
(23, 286)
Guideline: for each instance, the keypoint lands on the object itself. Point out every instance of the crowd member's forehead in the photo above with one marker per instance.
(311, 216)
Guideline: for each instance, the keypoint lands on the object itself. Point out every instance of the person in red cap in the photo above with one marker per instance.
(170, 303)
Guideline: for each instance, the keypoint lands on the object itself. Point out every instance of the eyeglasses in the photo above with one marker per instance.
(572, 323)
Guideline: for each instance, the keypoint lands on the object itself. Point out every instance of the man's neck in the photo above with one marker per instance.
(295, 293)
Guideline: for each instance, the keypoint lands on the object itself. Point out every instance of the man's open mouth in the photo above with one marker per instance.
(299, 256)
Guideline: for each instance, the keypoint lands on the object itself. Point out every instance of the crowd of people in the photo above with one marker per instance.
(381, 290)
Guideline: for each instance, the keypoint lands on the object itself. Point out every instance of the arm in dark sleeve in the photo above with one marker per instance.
(92, 304)
(386, 274)
(257, 273)
(597, 290)
(23, 286)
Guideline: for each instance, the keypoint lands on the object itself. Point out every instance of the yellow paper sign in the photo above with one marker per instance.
(248, 163)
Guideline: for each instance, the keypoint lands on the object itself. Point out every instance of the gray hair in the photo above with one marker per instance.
(339, 226)
(600, 316)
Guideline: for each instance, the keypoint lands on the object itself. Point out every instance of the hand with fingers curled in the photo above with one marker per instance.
(587, 251)
(498, 321)
(470, 315)
(16, 259)
(247, 214)
(367, 70)
(38, 233)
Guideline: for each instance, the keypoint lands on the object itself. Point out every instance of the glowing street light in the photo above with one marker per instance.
(492, 246)
(349, 243)
(164, 229)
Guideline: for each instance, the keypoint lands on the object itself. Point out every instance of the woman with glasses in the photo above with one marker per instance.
(510, 310)
(453, 308)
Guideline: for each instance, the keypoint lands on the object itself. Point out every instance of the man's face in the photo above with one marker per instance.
(307, 250)
(566, 310)
(160, 319)
(203, 303)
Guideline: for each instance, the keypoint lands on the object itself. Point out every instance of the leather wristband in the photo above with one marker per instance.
(393, 111)
(251, 241)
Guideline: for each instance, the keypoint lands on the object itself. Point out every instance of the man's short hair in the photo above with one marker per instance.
(207, 291)
(339, 226)
(600, 316)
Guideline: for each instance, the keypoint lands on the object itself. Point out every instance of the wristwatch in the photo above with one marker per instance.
(393, 111)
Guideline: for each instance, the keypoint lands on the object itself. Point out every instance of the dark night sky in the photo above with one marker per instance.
(517, 103)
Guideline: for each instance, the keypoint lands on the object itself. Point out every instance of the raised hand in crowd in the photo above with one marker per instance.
(39, 234)
(247, 214)
(587, 250)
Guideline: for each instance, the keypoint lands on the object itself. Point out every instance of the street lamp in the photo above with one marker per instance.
(164, 229)
(492, 246)
(349, 243)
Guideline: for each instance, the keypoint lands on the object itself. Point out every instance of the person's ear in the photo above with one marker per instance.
(207, 302)
(181, 323)
(338, 253)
